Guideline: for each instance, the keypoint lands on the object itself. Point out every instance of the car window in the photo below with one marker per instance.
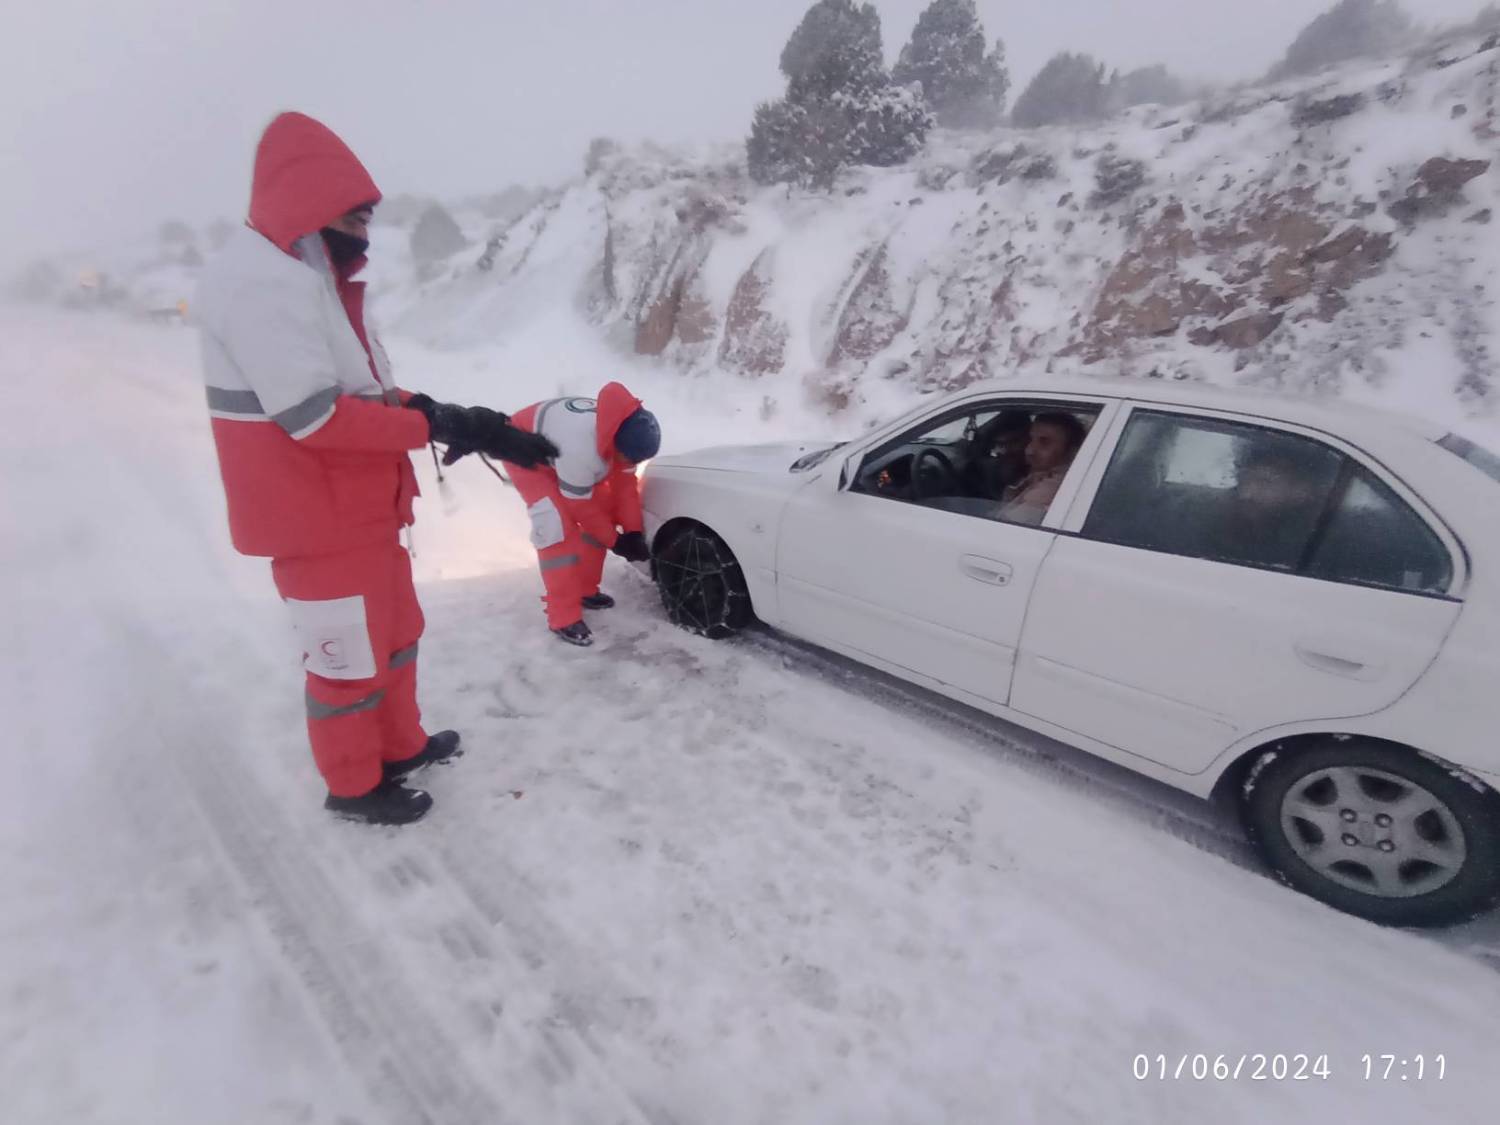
(1001, 462)
(1263, 498)
(1373, 538)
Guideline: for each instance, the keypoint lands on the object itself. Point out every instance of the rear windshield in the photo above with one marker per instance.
(1477, 455)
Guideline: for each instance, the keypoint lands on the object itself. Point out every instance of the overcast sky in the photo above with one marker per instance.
(121, 113)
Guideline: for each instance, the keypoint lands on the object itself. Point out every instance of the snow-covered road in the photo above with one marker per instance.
(671, 882)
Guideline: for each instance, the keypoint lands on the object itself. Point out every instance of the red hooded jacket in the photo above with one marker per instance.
(312, 442)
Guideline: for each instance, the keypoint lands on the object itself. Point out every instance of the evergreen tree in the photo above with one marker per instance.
(887, 127)
(778, 151)
(1069, 90)
(840, 107)
(962, 85)
(1351, 29)
(835, 49)
(1150, 85)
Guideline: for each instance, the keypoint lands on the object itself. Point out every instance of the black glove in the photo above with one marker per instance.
(498, 438)
(631, 545)
(446, 422)
(471, 429)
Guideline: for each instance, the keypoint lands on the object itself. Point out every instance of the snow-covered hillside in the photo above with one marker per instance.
(1323, 235)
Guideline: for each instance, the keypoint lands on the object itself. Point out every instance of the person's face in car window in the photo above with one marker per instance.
(1268, 487)
(1049, 447)
(1010, 448)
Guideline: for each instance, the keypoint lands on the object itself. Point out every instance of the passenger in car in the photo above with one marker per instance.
(1279, 492)
(1053, 442)
(997, 455)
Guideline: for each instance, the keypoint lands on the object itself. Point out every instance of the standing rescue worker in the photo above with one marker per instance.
(313, 438)
(589, 501)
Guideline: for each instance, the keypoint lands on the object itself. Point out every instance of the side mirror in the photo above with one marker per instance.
(849, 472)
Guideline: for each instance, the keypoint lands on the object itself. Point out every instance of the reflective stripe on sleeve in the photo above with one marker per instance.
(403, 657)
(575, 490)
(592, 542)
(309, 414)
(243, 405)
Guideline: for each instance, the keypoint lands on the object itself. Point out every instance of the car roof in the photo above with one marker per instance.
(1336, 415)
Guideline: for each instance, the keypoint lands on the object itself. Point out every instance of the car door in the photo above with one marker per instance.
(934, 588)
(1193, 603)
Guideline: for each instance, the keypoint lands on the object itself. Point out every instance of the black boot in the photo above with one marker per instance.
(441, 747)
(576, 634)
(601, 600)
(390, 802)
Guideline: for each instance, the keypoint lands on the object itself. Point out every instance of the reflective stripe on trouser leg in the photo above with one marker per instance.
(343, 726)
(400, 719)
(559, 565)
(317, 709)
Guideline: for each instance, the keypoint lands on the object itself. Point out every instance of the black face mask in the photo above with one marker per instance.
(344, 248)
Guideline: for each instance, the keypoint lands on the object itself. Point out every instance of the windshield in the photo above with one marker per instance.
(1477, 455)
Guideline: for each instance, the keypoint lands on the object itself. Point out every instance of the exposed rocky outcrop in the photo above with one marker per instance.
(870, 319)
(1437, 188)
(754, 340)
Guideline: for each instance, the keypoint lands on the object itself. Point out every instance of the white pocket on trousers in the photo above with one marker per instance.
(335, 637)
(546, 524)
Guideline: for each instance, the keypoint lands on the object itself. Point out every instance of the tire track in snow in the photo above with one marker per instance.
(391, 1036)
(388, 1036)
(485, 953)
(1180, 815)
(483, 915)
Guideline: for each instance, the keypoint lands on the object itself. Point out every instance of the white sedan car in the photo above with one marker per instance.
(1291, 605)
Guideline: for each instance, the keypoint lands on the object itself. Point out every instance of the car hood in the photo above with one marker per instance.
(776, 458)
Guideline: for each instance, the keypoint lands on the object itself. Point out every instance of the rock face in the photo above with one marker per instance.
(1247, 331)
(1232, 280)
(870, 320)
(1437, 188)
(754, 340)
(1308, 113)
(1441, 176)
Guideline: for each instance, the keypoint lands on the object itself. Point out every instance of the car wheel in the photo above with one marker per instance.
(702, 585)
(1378, 831)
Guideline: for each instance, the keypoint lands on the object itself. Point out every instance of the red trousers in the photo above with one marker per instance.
(571, 560)
(357, 617)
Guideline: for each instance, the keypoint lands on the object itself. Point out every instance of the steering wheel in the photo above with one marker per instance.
(994, 478)
(926, 484)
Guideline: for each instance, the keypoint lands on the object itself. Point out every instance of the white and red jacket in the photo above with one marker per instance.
(589, 481)
(312, 441)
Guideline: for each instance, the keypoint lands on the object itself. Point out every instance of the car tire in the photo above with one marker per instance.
(1378, 831)
(702, 585)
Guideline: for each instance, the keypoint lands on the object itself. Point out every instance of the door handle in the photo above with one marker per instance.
(1338, 665)
(985, 570)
